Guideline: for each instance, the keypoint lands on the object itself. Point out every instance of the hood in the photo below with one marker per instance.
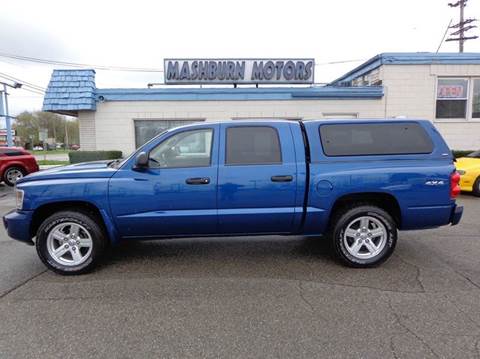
(97, 169)
(465, 163)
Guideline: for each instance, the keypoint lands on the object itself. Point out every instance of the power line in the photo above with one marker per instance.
(79, 65)
(122, 68)
(33, 91)
(27, 86)
(338, 62)
(25, 83)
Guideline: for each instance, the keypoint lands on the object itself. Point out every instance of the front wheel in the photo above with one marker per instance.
(12, 175)
(476, 187)
(70, 242)
(364, 236)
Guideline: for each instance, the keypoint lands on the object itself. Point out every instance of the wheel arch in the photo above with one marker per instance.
(384, 200)
(46, 210)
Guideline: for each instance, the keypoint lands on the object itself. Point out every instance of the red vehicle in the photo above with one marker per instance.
(15, 163)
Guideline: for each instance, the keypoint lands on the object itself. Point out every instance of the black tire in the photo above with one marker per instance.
(476, 187)
(89, 223)
(347, 216)
(6, 175)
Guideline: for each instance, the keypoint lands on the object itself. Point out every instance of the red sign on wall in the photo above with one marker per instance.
(450, 91)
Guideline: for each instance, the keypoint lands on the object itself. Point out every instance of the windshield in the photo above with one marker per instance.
(475, 154)
(120, 162)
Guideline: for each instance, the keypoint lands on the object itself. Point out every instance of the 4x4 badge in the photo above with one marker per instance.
(435, 183)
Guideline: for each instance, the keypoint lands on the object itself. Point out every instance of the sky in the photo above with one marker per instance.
(142, 33)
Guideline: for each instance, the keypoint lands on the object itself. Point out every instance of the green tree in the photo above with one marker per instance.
(60, 128)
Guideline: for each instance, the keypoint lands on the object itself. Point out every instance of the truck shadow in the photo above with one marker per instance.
(221, 254)
(274, 257)
(223, 247)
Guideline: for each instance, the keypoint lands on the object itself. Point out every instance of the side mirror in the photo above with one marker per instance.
(141, 161)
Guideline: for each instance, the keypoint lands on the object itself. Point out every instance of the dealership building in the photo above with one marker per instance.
(441, 87)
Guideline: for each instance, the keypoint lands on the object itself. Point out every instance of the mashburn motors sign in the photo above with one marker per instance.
(239, 71)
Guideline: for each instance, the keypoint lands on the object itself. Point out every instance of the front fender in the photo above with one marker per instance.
(39, 193)
(92, 191)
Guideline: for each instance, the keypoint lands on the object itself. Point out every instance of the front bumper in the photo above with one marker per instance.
(17, 224)
(456, 215)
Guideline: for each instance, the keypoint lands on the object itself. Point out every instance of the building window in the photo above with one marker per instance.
(452, 97)
(340, 115)
(476, 99)
(145, 130)
(252, 145)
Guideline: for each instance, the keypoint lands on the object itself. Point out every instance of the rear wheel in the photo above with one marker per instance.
(12, 175)
(363, 235)
(70, 242)
(476, 187)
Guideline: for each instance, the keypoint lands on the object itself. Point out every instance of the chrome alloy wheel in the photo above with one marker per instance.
(13, 175)
(69, 244)
(365, 237)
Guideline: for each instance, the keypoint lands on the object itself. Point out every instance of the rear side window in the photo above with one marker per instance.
(11, 152)
(252, 145)
(374, 139)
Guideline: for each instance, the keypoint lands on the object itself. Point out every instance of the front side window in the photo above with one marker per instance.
(252, 145)
(185, 149)
(452, 97)
(374, 139)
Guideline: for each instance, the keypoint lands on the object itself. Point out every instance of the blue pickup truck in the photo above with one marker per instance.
(356, 181)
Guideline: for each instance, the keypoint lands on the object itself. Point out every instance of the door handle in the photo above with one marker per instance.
(198, 180)
(286, 178)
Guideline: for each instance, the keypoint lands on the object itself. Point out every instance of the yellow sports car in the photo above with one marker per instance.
(469, 169)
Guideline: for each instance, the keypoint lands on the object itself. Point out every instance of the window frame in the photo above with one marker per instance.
(469, 100)
(253, 164)
(374, 154)
(470, 107)
(177, 133)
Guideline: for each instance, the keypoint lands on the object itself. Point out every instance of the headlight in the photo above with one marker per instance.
(19, 194)
(461, 172)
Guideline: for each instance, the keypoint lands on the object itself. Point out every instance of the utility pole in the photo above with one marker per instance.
(5, 113)
(462, 26)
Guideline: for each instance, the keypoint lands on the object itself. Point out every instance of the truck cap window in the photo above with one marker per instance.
(252, 145)
(374, 139)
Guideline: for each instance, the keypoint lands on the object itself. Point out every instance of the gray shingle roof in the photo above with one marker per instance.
(70, 91)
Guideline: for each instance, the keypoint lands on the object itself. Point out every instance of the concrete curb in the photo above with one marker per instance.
(47, 167)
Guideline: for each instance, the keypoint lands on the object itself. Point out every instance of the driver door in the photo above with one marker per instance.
(176, 194)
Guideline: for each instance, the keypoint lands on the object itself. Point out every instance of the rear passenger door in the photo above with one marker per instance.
(257, 178)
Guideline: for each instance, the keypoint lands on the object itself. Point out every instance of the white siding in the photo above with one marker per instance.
(410, 91)
(114, 125)
(86, 123)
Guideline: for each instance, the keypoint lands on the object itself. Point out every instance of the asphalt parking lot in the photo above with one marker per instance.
(248, 297)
